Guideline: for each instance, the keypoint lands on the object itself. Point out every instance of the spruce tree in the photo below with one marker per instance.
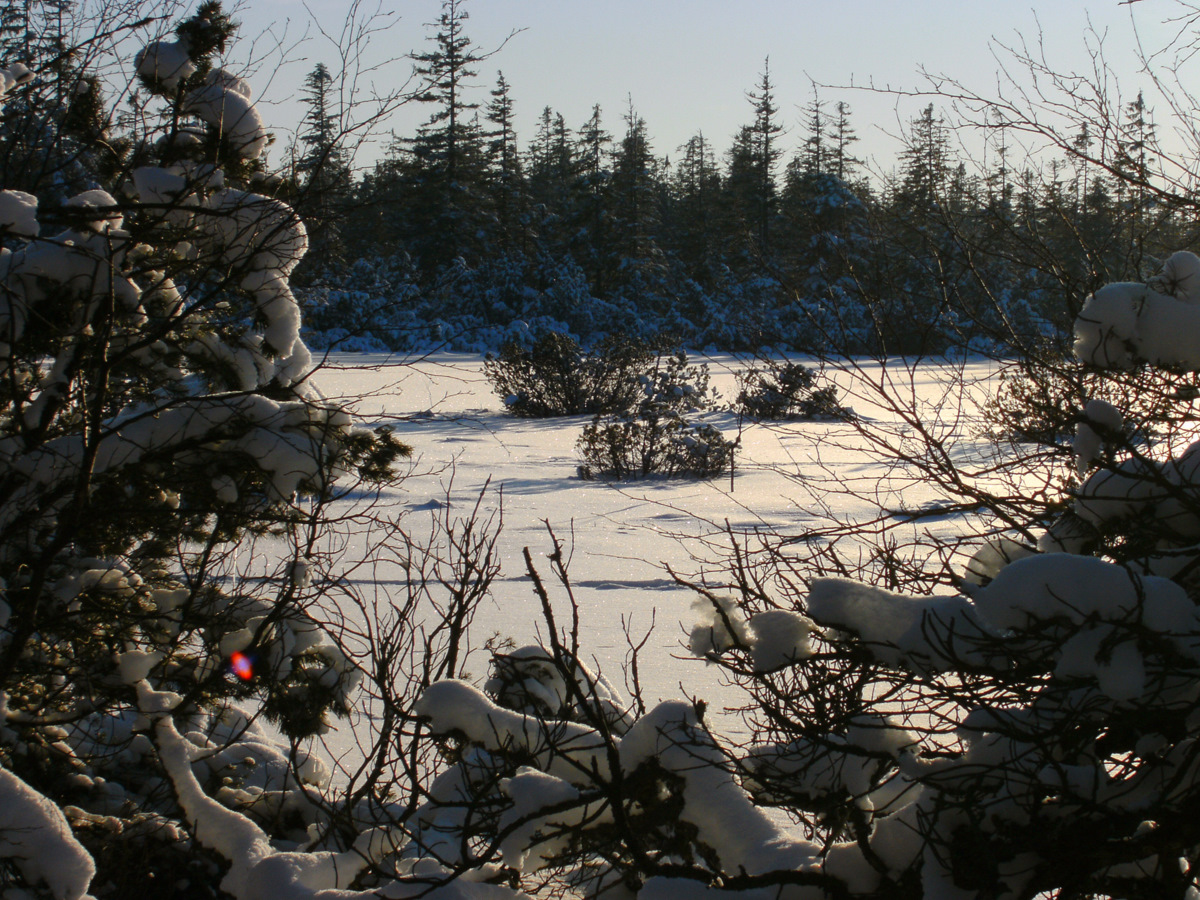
(1134, 165)
(551, 161)
(697, 187)
(842, 136)
(446, 162)
(635, 205)
(814, 156)
(322, 171)
(926, 162)
(591, 222)
(505, 171)
(766, 153)
(446, 71)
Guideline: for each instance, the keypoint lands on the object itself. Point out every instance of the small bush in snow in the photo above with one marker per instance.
(557, 377)
(658, 443)
(655, 438)
(786, 390)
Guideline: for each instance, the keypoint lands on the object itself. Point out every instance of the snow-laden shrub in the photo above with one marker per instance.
(676, 384)
(660, 442)
(557, 377)
(786, 390)
(1040, 400)
(656, 437)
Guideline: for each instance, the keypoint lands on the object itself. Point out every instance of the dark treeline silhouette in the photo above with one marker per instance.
(469, 235)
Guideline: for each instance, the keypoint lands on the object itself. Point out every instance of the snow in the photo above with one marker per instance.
(224, 102)
(1100, 419)
(1180, 277)
(14, 75)
(18, 213)
(107, 219)
(134, 665)
(899, 630)
(720, 625)
(534, 836)
(726, 820)
(569, 757)
(1157, 322)
(993, 556)
(35, 835)
(1106, 328)
(622, 534)
(154, 184)
(780, 638)
(1094, 608)
(259, 235)
(457, 707)
(258, 869)
(165, 61)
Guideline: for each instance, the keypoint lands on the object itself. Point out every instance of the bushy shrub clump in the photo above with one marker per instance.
(786, 390)
(675, 383)
(638, 395)
(662, 443)
(655, 438)
(557, 377)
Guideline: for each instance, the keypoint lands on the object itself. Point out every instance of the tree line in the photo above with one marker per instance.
(463, 229)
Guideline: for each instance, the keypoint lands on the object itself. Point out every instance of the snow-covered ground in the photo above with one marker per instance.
(623, 536)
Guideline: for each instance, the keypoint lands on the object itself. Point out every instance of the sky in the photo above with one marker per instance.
(687, 65)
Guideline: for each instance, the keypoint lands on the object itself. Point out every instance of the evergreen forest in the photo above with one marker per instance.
(467, 235)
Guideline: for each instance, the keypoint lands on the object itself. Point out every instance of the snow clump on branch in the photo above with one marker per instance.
(13, 76)
(1159, 322)
(166, 62)
(224, 102)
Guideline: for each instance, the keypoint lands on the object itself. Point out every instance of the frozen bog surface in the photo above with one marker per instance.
(620, 536)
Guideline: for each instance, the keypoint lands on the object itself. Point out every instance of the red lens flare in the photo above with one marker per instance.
(242, 665)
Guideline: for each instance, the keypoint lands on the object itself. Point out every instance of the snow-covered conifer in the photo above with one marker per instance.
(156, 419)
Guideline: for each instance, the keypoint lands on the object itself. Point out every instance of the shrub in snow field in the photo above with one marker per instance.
(786, 390)
(674, 383)
(660, 442)
(655, 437)
(1041, 400)
(557, 377)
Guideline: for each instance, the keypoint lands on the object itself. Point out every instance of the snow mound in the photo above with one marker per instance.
(166, 62)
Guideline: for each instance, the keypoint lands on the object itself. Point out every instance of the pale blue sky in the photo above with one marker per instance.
(687, 64)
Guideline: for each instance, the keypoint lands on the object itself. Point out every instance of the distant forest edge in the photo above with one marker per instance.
(465, 237)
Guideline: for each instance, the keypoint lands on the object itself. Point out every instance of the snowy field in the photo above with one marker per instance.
(623, 536)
